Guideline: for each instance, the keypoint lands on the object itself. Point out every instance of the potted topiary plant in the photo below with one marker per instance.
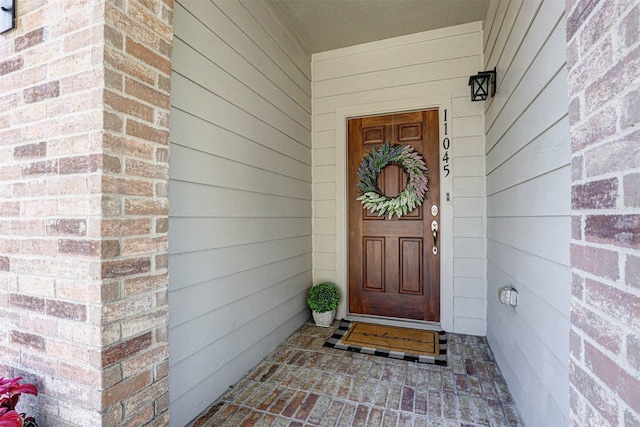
(323, 300)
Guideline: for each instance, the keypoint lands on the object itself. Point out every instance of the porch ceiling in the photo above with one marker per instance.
(331, 24)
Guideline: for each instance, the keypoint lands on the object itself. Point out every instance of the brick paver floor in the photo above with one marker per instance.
(301, 383)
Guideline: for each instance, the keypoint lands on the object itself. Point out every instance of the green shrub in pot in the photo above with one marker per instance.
(323, 297)
(323, 300)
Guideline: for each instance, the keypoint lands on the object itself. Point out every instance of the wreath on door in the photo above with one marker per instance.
(410, 197)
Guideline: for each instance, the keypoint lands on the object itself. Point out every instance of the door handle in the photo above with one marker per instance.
(434, 230)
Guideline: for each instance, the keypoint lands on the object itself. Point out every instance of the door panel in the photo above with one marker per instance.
(411, 278)
(392, 269)
(373, 257)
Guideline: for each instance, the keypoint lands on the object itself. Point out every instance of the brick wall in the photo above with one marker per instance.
(84, 121)
(135, 208)
(604, 90)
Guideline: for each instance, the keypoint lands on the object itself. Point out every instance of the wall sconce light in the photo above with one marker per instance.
(7, 15)
(480, 85)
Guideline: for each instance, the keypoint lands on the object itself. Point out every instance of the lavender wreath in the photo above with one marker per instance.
(411, 196)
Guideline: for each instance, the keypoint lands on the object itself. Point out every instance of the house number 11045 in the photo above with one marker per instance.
(446, 143)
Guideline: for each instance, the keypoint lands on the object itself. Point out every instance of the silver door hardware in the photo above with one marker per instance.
(434, 229)
(434, 210)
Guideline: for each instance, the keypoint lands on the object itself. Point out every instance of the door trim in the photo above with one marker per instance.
(440, 102)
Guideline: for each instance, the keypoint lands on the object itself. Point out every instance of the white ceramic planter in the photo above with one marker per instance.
(324, 319)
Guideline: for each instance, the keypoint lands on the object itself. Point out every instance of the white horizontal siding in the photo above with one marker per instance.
(255, 53)
(197, 167)
(528, 204)
(199, 266)
(232, 202)
(389, 71)
(201, 298)
(324, 120)
(240, 190)
(188, 95)
(413, 50)
(407, 75)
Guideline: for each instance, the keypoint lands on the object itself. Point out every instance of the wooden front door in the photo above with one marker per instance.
(393, 271)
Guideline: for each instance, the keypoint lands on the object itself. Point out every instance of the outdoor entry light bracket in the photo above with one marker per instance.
(480, 85)
(7, 15)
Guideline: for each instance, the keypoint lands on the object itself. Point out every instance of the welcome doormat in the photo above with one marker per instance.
(391, 341)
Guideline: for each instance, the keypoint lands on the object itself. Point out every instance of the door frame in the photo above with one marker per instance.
(441, 102)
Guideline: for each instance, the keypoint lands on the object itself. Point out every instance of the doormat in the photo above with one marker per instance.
(415, 345)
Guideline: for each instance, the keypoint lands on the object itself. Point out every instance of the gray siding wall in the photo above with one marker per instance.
(240, 194)
(528, 204)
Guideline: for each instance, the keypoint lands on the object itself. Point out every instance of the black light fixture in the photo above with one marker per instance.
(7, 15)
(480, 85)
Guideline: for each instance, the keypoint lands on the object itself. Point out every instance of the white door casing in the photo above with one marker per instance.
(442, 102)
